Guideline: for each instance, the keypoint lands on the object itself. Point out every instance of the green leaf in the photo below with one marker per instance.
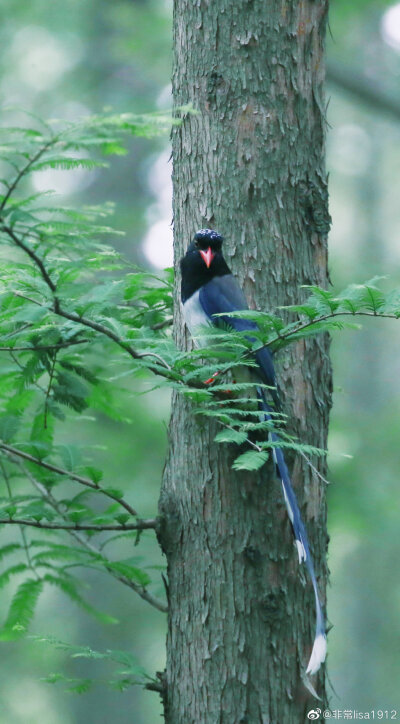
(81, 686)
(70, 455)
(68, 163)
(42, 436)
(93, 473)
(22, 609)
(8, 549)
(53, 678)
(58, 552)
(9, 425)
(6, 576)
(251, 460)
(69, 587)
(125, 569)
(122, 518)
(129, 675)
(231, 436)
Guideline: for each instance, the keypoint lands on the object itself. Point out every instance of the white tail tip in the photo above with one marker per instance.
(318, 654)
(301, 551)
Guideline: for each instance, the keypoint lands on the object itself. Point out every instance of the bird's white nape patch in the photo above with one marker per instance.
(301, 551)
(318, 654)
(195, 318)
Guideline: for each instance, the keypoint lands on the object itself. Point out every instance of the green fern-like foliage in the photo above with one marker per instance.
(70, 302)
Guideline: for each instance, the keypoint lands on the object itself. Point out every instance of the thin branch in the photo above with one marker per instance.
(140, 590)
(43, 347)
(46, 399)
(38, 261)
(155, 686)
(146, 524)
(25, 545)
(73, 476)
(29, 299)
(74, 317)
(161, 325)
(23, 536)
(281, 337)
(368, 91)
(25, 170)
(17, 331)
(313, 468)
(21, 367)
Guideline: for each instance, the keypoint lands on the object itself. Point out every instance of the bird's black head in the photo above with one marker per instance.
(202, 261)
(208, 238)
(207, 243)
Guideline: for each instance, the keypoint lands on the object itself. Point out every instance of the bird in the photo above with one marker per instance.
(209, 296)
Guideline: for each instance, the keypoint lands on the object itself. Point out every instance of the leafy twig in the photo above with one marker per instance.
(74, 317)
(313, 468)
(140, 590)
(60, 471)
(44, 347)
(300, 328)
(23, 536)
(38, 261)
(24, 170)
(143, 524)
(46, 399)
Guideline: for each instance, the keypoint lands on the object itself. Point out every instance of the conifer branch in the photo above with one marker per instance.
(25, 169)
(44, 347)
(74, 317)
(61, 471)
(145, 524)
(140, 590)
(35, 258)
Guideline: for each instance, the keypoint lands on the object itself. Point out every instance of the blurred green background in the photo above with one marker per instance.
(66, 59)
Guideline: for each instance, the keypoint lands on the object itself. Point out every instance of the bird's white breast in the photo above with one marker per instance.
(195, 318)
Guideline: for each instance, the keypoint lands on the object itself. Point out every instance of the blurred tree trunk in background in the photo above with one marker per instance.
(250, 164)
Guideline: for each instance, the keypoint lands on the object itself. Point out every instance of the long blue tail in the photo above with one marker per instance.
(318, 653)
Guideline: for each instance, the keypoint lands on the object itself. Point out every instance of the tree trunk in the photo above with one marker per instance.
(250, 163)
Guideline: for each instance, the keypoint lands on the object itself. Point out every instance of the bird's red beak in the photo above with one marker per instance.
(208, 256)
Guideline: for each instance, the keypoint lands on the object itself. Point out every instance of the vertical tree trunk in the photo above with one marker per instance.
(250, 164)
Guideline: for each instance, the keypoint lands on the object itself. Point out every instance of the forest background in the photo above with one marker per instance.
(65, 60)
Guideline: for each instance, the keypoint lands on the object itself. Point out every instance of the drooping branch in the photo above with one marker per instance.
(74, 317)
(35, 258)
(365, 90)
(44, 347)
(281, 337)
(23, 536)
(61, 471)
(140, 590)
(167, 372)
(25, 169)
(144, 524)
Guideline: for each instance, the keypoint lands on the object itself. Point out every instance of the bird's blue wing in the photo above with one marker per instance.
(223, 295)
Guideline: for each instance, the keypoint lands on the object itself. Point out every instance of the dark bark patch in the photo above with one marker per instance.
(272, 609)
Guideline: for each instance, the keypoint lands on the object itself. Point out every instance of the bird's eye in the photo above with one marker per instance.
(196, 243)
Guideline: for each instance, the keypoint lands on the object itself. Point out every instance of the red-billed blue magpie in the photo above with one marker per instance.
(208, 289)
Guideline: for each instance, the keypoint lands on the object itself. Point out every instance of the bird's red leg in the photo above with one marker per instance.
(213, 378)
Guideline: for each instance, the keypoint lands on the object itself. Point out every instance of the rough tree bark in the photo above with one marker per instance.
(250, 164)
